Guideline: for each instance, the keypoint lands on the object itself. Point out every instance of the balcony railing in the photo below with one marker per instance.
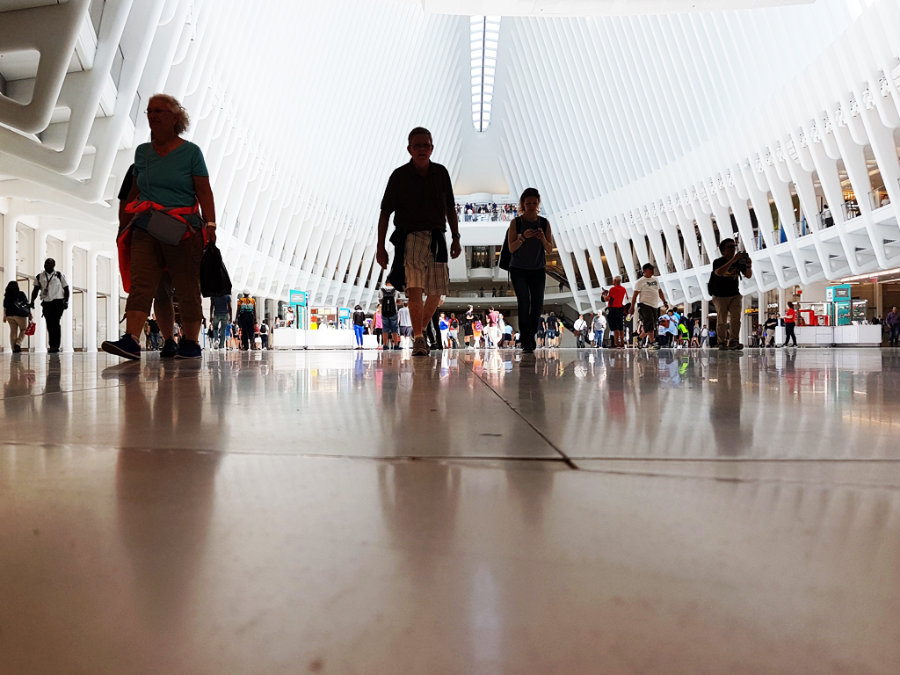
(851, 210)
(825, 219)
(879, 198)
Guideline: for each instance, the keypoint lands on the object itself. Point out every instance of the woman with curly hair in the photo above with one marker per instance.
(174, 216)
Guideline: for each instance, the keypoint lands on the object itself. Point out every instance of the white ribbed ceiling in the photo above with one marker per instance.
(303, 108)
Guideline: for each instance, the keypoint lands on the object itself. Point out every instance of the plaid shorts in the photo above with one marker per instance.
(421, 269)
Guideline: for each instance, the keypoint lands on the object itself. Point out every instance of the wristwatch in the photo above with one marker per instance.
(455, 236)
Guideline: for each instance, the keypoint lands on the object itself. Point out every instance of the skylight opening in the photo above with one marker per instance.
(484, 35)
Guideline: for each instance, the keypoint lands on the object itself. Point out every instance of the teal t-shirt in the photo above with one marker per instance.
(169, 180)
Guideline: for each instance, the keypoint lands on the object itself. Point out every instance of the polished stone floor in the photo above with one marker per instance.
(363, 512)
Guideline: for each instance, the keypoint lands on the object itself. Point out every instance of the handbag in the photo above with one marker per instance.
(214, 278)
(22, 308)
(30, 329)
(165, 228)
(505, 254)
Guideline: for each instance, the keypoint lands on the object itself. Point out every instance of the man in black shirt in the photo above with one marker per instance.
(153, 324)
(724, 287)
(420, 196)
(769, 326)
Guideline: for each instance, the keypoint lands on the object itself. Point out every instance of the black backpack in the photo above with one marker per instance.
(388, 303)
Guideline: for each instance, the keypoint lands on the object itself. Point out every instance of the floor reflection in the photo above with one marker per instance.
(164, 543)
(681, 404)
(370, 512)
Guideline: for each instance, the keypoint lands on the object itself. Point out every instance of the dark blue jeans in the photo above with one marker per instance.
(219, 321)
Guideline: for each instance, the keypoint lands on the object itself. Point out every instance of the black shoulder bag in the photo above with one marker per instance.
(505, 254)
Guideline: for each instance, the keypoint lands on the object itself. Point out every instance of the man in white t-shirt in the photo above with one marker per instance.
(647, 298)
(54, 291)
(580, 328)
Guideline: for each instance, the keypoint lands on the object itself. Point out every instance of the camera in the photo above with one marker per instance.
(742, 263)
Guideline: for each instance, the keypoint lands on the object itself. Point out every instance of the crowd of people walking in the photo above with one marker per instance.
(167, 219)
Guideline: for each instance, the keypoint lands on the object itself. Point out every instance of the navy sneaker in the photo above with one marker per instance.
(188, 349)
(125, 346)
(168, 349)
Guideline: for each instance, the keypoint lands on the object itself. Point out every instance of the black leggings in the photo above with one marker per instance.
(789, 334)
(529, 287)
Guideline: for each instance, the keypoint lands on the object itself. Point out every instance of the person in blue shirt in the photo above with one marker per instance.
(171, 189)
(444, 327)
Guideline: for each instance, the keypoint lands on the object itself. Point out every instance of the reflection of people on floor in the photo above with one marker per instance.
(532, 487)
(420, 501)
(17, 392)
(733, 436)
(52, 385)
(154, 468)
(616, 369)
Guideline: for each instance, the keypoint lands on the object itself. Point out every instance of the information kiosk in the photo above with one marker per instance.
(292, 335)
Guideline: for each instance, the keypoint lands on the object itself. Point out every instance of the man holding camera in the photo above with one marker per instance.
(726, 294)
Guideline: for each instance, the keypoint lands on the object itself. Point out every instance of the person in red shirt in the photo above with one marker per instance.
(790, 320)
(615, 304)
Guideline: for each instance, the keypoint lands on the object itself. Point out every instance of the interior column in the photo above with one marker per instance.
(90, 304)
(66, 266)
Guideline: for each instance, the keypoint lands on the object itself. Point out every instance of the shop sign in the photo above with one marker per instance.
(298, 298)
(343, 313)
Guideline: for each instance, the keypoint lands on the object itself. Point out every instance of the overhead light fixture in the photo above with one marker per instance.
(484, 36)
(873, 275)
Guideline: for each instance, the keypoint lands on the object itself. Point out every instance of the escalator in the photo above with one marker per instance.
(558, 276)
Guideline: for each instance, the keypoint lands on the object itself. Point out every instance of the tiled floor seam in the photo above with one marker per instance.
(740, 460)
(893, 487)
(317, 455)
(556, 448)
